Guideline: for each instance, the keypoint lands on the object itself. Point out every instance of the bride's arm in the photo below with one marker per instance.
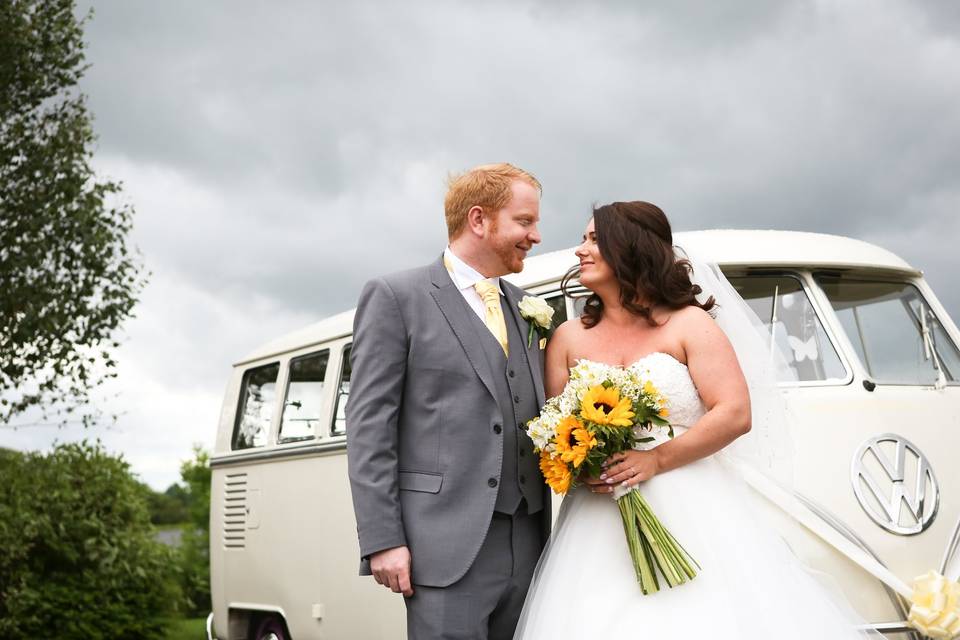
(716, 373)
(556, 369)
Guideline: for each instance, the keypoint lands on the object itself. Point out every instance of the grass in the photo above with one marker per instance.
(188, 629)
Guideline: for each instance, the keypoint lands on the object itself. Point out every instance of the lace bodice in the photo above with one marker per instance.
(672, 379)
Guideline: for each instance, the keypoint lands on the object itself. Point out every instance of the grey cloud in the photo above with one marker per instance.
(802, 116)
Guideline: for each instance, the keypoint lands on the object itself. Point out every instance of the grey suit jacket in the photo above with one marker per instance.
(422, 449)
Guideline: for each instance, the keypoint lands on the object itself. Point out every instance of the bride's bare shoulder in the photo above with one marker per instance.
(565, 335)
(691, 316)
(569, 330)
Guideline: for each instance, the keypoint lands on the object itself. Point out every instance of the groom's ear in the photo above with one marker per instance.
(475, 218)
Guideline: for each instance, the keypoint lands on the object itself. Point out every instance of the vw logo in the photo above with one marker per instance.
(895, 485)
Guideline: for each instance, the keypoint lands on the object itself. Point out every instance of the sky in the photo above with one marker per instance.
(280, 154)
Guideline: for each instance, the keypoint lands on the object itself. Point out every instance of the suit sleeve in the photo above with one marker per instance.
(378, 359)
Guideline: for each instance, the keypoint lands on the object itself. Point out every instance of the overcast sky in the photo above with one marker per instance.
(279, 154)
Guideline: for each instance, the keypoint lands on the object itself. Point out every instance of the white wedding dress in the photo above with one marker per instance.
(749, 585)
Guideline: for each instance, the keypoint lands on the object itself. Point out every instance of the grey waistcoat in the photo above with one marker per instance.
(516, 395)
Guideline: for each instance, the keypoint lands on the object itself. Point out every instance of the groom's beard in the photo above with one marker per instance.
(510, 256)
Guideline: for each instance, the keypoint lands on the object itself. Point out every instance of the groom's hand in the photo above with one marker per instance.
(391, 568)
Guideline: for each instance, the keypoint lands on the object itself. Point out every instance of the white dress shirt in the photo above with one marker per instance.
(464, 277)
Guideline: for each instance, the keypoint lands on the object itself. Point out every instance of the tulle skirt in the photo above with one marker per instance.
(750, 585)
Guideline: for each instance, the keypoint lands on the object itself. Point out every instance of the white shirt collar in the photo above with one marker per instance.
(464, 276)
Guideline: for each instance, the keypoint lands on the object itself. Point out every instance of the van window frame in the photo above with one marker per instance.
(332, 433)
(241, 398)
(279, 440)
(825, 315)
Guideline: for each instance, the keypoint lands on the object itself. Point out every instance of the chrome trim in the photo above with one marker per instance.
(951, 549)
(210, 627)
(311, 448)
(888, 627)
(892, 505)
(841, 527)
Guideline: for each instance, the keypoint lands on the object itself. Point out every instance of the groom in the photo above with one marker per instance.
(451, 507)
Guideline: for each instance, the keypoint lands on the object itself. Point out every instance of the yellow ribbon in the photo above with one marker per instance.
(935, 606)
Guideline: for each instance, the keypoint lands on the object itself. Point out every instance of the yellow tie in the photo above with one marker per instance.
(494, 312)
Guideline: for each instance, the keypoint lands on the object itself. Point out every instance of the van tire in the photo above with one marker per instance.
(271, 628)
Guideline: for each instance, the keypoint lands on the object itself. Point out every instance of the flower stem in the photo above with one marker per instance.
(652, 546)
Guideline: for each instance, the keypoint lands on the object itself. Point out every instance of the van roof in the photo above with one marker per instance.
(726, 247)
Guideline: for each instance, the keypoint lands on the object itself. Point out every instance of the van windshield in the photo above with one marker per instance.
(895, 333)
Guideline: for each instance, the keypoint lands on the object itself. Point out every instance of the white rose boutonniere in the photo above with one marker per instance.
(538, 313)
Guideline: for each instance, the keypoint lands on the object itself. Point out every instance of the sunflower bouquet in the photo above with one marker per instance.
(604, 410)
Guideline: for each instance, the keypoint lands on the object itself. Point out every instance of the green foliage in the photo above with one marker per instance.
(195, 546)
(610, 439)
(188, 629)
(78, 558)
(67, 277)
(169, 507)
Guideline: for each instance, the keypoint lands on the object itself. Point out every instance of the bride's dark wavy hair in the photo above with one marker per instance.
(636, 241)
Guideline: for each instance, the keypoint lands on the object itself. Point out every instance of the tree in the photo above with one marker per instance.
(195, 547)
(78, 555)
(67, 277)
(169, 507)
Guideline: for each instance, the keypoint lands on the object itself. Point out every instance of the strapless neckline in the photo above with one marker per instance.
(637, 361)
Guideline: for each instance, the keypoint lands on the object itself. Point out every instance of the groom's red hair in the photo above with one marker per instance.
(486, 186)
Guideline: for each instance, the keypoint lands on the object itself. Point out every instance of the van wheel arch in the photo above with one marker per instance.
(268, 626)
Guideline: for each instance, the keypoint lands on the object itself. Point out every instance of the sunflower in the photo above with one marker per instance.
(573, 441)
(605, 406)
(555, 472)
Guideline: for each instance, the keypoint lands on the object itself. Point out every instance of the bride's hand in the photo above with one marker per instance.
(628, 467)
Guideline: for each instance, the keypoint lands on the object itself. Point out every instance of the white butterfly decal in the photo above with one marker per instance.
(803, 350)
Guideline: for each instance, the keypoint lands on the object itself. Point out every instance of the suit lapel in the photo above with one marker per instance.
(455, 309)
(512, 296)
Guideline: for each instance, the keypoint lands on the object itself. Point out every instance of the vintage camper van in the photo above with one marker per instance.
(874, 395)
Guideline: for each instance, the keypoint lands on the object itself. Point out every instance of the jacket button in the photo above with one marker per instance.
(516, 399)
(497, 428)
(492, 482)
(523, 479)
(523, 452)
(511, 373)
(521, 426)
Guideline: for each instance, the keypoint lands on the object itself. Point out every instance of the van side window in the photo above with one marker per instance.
(339, 426)
(895, 333)
(301, 408)
(783, 306)
(258, 393)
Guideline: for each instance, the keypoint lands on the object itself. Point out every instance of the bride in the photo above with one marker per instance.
(643, 313)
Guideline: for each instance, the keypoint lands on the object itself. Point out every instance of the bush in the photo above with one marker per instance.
(78, 558)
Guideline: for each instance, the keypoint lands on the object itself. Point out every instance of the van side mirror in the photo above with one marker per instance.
(869, 385)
